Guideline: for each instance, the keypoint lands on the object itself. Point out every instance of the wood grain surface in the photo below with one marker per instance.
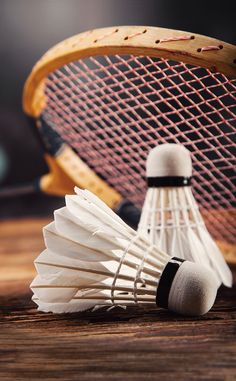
(136, 344)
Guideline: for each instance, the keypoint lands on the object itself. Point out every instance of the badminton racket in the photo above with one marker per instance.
(99, 101)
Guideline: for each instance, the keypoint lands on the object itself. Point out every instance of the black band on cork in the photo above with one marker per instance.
(166, 281)
(168, 181)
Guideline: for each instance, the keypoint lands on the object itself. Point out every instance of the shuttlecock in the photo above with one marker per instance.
(93, 258)
(170, 215)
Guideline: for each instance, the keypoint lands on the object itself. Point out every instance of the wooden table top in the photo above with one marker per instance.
(136, 344)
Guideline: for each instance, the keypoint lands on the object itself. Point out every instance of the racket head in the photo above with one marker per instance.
(181, 63)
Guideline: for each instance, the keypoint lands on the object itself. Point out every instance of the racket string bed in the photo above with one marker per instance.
(113, 109)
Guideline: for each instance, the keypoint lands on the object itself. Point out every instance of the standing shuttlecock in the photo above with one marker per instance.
(170, 215)
(94, 259)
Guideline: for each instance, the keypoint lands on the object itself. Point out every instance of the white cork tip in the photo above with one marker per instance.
(193, 290)
(169, 160)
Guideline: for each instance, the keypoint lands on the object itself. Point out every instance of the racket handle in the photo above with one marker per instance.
(126, 210)
(20, 190)
(129, 213)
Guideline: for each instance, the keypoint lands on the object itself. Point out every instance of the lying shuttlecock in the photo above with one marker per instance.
(170, 214)
(93, 258)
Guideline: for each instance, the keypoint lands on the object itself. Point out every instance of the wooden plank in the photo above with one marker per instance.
(136, 344)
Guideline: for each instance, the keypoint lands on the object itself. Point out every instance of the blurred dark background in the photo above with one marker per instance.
(29, 27)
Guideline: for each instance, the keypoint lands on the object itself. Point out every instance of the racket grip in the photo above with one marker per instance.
(21, 189)
(129, 213)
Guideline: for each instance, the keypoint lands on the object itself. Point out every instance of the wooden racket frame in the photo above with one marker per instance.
(66, 168)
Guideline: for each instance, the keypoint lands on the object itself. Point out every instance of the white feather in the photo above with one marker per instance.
(171, 218)
(93, 259)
